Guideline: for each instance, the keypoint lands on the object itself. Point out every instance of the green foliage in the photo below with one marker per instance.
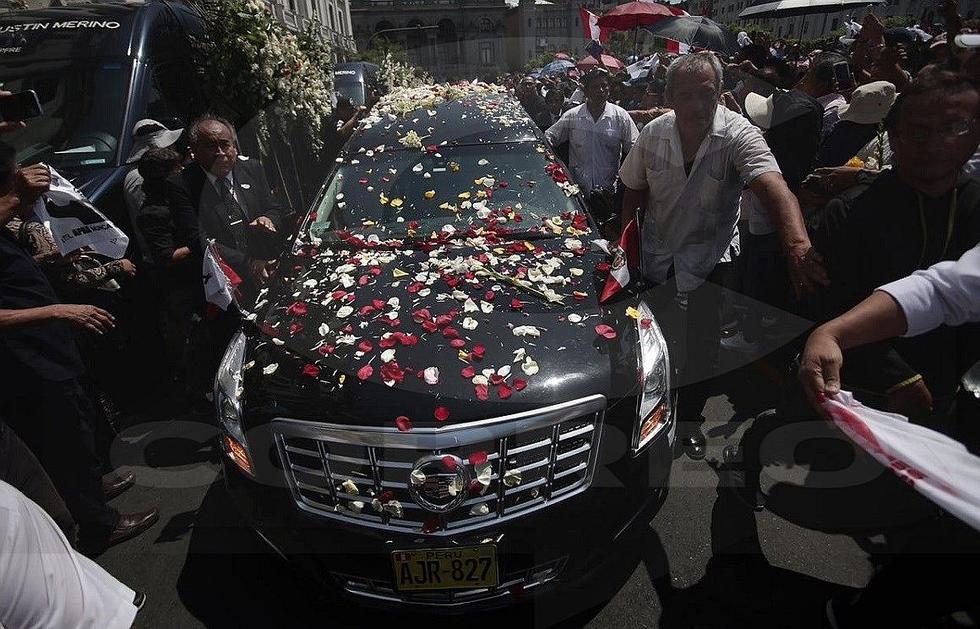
(380, 48)
(539, 61)
(899, 21)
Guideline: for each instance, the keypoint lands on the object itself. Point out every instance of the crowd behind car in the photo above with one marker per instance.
(820, 177)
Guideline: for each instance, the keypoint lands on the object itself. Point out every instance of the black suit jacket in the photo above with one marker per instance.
(200, 215)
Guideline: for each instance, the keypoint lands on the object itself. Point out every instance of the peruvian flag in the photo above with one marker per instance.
(591, 28)
(677, 11)
(220, 280)
(625, 255)
(672, 46)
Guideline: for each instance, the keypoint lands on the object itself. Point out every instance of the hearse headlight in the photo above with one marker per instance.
(654, 406)
(228, 389)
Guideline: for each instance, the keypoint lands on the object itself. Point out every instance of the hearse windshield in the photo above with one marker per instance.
(84, 104)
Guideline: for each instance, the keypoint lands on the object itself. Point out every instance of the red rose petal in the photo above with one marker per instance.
(388, 342)
(477, 458)
(366, 310)
(365, 372)
(450, 333)
(646, 323)
(421, 315)
(602, 267)
(516, 304)
(363, 280)
(468, 371)
(496, 379)
(295, 328)
(520, 385)
(415, 287)
(475, 487)
(441, 413)
(457, 343)
(504, 391)
(311, 370)
(326, 349)
(482, 392)
(403, 423)
(450, 462)
(479, 350)
(431, 524)
(407, 340)
(298, 309)
(365, 346)
(386, 496)
(444, 320)
(605, 331)
(429, 326)
(490, 295)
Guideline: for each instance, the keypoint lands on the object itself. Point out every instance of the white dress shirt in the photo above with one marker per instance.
(947, 293)
(831, 111)
(595, 147)
(45, 583)
(691, 219)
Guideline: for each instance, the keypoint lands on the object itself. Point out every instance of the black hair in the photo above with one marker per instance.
(930, 79)
(593, 74)
(823, 64)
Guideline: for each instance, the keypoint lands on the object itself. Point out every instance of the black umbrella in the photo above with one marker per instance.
(696, 31)
(789, 8)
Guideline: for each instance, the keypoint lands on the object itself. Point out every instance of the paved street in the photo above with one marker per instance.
(704, 561)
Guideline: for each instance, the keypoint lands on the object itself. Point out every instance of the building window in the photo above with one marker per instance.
(834, 23)
(486, 53)
(486, 26)
(333, 19)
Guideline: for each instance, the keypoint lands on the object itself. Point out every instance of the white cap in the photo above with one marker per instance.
(967, 40)
(148, 133)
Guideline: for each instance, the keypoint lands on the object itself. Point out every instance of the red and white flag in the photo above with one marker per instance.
(677, 11)
(939, 468)
(625, 255)
(591, 28)
(672, 46)
(220, 280)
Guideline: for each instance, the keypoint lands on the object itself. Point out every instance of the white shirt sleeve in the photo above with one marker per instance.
(558, 132)
(752, 155)
(947, 293)
(632, 132)
(633, 172)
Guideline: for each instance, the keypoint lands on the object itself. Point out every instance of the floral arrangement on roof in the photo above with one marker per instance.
(253, 66)
(402, 101)
(395, 73)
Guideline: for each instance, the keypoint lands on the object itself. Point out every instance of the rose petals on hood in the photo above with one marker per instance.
(403, 423)
(479, 350)
(482, 392)
(270, 369)
(504, 391)
(365, 372)
(516, 304)
(431, 375)
(468, 372)
(298, 309)
(311, 370)
(365, 346)
(520, 385)
(526, 330)
(441, 413)
(605, 331)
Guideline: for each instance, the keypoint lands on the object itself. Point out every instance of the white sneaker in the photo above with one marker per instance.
(737, 343)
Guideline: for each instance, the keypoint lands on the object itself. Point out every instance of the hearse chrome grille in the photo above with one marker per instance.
(363, 475)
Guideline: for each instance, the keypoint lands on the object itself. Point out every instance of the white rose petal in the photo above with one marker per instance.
(324, 329)
(480, 380)
(270, 369)
(480, 509)
(417, 477)
(504, 371)
(356, 506)
(395, 509)
(469, 323)
(388, 355)
(527, 330)
(431, 375)
(470, 306)
(574, 318)
(519, 354)
(529, 367)
(486, 307)
(512, 478)
(456, 486)
(576, 272)
(344, 312)
(350, 487)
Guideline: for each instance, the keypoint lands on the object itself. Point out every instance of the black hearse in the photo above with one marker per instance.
(97, 69)
(429, 407)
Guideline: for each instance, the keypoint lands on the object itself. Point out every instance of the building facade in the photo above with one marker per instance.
(466, 39)
(331, 18)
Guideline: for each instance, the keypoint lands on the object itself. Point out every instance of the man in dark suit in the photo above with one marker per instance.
(222, 196)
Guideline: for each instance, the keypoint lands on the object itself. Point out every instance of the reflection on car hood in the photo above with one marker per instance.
(364, 335)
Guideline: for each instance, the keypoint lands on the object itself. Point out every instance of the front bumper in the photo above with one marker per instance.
(549, 549)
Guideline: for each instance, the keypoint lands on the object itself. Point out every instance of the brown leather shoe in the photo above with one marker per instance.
(132, 524)
(113, 484)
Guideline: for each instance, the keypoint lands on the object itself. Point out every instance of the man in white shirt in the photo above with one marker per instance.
(598, 132)
(687, 170)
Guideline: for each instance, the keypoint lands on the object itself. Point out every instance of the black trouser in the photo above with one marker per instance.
(54, 418)
(766, 280)
(21, 469)
(693, 333)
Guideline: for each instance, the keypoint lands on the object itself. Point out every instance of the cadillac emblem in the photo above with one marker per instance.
(438, 483)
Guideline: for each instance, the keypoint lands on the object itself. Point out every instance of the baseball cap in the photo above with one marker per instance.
(780, 108)
(967, 40)
(148, 133)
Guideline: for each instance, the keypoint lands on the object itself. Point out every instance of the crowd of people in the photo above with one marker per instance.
(810, 181)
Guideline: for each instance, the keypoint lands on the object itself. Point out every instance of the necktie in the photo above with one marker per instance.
(234, 212)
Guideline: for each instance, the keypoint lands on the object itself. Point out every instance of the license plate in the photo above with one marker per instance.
(445, 568)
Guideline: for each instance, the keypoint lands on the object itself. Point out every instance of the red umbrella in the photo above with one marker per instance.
(564, 56)
(634, 14)
(591, 62)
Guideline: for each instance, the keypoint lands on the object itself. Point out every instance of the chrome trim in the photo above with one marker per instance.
(588, 410)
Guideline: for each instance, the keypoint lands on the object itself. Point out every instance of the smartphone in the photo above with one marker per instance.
(843, 76)
(20, 106)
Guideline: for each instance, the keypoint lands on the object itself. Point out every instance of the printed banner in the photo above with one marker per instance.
(76, 223)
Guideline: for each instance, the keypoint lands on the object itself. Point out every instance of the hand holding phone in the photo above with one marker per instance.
(843, 76)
